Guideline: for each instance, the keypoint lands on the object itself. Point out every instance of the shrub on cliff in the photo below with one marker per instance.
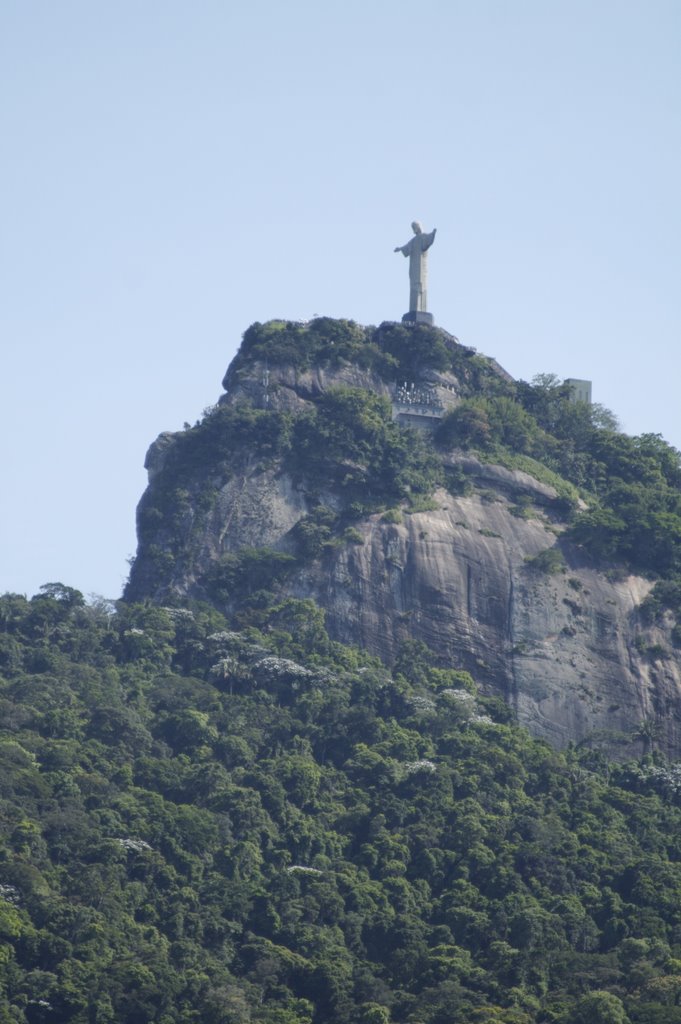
(350, 442)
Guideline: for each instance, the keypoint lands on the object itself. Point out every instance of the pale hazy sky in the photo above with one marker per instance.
(173, 171)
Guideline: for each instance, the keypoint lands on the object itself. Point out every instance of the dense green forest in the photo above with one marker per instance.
(203, 824)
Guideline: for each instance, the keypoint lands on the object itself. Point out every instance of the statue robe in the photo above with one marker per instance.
(416, 249)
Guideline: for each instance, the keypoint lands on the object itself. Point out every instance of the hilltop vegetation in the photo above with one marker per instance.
(218, 826)
(392, 350)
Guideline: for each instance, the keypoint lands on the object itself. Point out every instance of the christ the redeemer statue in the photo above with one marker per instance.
(417, 251)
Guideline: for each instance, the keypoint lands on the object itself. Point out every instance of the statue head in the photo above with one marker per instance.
(416, 227)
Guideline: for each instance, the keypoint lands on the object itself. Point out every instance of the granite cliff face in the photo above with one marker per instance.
(561, 648)
(480, 571)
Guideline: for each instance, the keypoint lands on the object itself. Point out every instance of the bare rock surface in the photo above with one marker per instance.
(289, 389)
(565, 649)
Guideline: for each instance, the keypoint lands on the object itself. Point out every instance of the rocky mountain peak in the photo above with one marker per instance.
(308, 480)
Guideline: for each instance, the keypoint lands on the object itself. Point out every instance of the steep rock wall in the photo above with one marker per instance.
(568, 649)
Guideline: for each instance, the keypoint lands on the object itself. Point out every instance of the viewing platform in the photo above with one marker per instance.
(418, 406)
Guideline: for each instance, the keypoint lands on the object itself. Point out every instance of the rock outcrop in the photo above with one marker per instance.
(566, 649)
(484, 577)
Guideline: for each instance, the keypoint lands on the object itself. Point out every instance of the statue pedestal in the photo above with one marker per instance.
(418, 317)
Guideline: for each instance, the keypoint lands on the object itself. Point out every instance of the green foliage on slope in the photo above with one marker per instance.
(632, 484)
(349, 442)
(203, 825)
(635, 481)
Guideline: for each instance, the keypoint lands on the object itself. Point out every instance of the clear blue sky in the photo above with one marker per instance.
(173, 171)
